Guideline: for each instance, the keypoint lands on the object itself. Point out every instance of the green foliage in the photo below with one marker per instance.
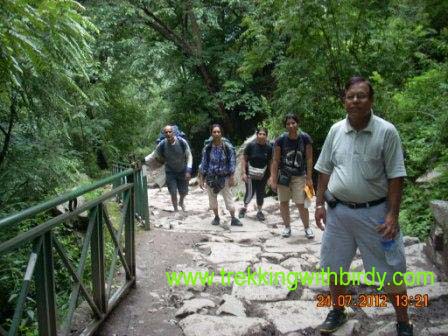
(416, 216)
(420, 111)
(44, 63)
(84, 86)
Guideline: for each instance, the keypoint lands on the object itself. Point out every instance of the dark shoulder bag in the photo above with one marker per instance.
(284, 176)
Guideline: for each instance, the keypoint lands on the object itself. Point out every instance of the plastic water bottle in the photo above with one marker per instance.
(391, 250)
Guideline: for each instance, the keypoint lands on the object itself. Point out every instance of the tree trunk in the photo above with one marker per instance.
(7, 133)
(191, 49)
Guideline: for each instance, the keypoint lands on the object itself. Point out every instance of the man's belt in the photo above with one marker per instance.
(353, 205)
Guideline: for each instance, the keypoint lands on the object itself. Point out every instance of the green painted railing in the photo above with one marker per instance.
(99, 289)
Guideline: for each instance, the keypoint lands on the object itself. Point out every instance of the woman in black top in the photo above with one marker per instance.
(255, 166)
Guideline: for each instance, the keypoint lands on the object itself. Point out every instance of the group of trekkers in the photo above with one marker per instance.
(291, 158)
(361, 170)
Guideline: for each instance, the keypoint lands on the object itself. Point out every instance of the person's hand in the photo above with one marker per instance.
(389, 228)
(232, 181)
(309, 182)
(245, 178)
(136, 165)
(320, 215)
(187, 176)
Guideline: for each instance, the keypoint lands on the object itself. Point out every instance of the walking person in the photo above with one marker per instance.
(255, 164)
(176, 153)
(361, 170)
(217, 171)
(291, 170)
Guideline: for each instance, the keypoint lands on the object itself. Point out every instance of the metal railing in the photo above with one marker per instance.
(141, 187)
(47, 245)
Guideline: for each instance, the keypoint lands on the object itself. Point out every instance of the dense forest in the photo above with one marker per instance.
(85, 84)
(88, 83)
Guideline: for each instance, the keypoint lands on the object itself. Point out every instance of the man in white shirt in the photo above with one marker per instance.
(361, 170)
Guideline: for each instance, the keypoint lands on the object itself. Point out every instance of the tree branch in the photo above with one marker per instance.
(166, 32)
(194, 29)
(12, 117)
(193, 49)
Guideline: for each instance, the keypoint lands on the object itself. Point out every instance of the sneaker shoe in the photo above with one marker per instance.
(286, 232)
(309, 233)
(215, 221)
(335, 319)
(242, 213)
(405, 329)
(260, 216)
(235, 222)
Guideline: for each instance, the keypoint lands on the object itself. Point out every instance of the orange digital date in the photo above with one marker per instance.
(348, 300)
(374, 300)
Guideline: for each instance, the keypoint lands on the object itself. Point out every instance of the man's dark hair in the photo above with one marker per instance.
(290, 116)
(262, 129)
(355, 80)
(216, 125)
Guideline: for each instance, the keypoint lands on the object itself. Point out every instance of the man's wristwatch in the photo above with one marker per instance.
(319, 206)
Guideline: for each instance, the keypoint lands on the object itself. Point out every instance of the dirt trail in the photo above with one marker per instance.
(189, 243)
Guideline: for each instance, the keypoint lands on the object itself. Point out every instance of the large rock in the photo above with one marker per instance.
(289, 316)
(228, 252)
(281, 245)
(293, 264)
(351, 327)
(273, 257)
(240, 266)
(430, 176)
(311, 262)
(232, 306)
(440, 213)
(200, 325)
(271, 269)
(193, 306)
(260, 293)
(376, 312)
(308, 295)
(408, 240)
(248, 237)
(435, 291)
(416, 267)
(441, 330)
(388, 329)
(415, 250)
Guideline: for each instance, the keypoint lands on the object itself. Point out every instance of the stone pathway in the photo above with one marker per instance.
(228, 307)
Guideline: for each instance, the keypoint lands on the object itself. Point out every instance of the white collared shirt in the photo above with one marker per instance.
(360, 162)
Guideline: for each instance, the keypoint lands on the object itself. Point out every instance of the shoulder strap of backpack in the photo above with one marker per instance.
(183, 143)
(227, 151)
(162, 147)
(302, 145)
(283, 142)
(207, 151)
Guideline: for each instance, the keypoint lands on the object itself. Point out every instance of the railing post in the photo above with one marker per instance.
(137, 193)
(98, 269)
(145, 203)
(44, 276)
(129, 230)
